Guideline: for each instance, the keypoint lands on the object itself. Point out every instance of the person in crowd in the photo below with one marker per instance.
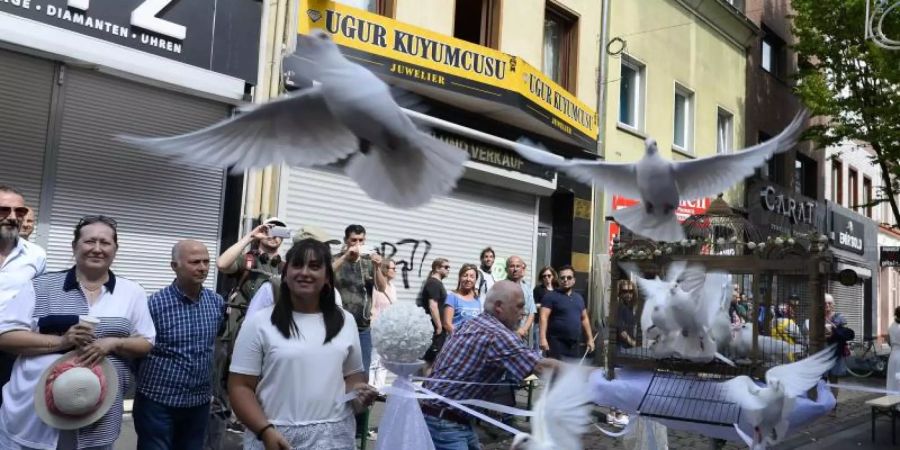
(837, 332)
(171, 406)
(481, 351)
(293, 360)
(28, 326)
(20, 260)
(357, 278)
(462, 304)
(548, 282)
(515, 272)
(735, 309)
(627, 337)
(381, 301)
(563, 315)
(28, 225)
(784, 327)
(893, 369)
(432, 298)
(485, 276)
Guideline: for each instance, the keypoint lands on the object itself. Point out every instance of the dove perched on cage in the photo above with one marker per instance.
(660, 184)
(768, 407)
(562, 413)
(350, 114)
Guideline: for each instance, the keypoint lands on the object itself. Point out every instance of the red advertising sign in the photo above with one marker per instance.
(685, 209)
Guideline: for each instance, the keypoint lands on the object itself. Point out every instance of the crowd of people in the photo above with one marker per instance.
(197, 361)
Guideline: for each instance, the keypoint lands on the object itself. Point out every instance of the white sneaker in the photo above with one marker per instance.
(621, 421)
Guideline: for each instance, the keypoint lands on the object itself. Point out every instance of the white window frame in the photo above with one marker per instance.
(725, 145)
(688, 131)
(637, 102)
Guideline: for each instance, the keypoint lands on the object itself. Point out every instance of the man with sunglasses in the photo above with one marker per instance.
(563, 315)
(20, 260)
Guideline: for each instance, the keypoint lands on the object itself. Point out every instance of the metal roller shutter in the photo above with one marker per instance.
(155, 201)
(457, 227)
(848, 300)
(25, 89)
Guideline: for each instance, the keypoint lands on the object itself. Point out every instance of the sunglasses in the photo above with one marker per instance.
(20, 211)
(567, 277)
(88, 220)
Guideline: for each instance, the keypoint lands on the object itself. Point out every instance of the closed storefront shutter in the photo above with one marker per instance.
(456, 227)
(848, 300)
(156, 201)
(25, 89)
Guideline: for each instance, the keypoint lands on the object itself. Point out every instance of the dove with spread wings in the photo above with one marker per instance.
(562, 413)
(660, 183)
(350, 114)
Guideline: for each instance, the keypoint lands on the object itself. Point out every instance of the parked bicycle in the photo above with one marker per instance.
(865, 359)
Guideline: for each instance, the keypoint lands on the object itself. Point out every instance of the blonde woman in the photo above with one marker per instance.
(380, 302)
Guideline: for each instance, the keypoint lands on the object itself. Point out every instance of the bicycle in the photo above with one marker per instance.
(864, 359)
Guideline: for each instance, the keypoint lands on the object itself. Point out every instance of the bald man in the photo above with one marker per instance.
(171, 407)
(515, 272)
(481, 351)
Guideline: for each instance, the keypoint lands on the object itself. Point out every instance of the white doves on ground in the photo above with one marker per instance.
(660, 184)
(767, 408)
(350, 113)
(562, 413)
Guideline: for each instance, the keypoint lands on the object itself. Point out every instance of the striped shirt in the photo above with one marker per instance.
(177, 372)
(480, 351)
(122, 310)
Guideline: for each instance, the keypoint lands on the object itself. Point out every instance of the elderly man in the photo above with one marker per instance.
(481, 351)
(515, 272)
(171, 408)
(28, 225)
(20, 260)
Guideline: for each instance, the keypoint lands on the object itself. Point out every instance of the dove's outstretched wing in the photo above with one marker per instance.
(618, 178)
(656, 293)
(710, 176)
(744, 392)
(689, 277)
(801, 376)
(563, 413)
(297, 129)
(712, 295)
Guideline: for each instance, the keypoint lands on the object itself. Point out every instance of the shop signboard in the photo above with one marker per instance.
(847, 233)
(686, 208)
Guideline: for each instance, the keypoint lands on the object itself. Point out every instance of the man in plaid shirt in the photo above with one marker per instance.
(480, 352)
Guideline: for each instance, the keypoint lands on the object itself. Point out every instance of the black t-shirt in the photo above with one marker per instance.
(432, 288)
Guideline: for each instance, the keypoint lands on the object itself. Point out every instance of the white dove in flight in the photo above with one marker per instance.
(767, 408)
(350, 113)
(562, 413)
(660, 183)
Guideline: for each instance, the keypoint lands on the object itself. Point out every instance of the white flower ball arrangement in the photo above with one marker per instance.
(402, 333)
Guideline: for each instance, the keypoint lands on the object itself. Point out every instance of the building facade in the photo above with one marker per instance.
(490, 72)
(76, 74)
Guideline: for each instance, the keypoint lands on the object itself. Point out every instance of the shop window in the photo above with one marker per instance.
(775, 168)
(724, 131)
(560, 49)
(478, 21)
(683, 118)
(382, 7)
(631, 93)
(867, 196)
(837, 182)
(773, 57)
(805, 176)
(738, 4)
(853, 188)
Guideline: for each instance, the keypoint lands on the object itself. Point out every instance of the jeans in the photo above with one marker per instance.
(365, 344)
(162, 427)
(447, 435)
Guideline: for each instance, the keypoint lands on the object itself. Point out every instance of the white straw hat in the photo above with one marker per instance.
(77, 394)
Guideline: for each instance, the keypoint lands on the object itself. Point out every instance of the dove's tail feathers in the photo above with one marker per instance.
(408, 177)
(409, 100)
(789, 137)
(725, 359)
(748, 441)
(665, 228)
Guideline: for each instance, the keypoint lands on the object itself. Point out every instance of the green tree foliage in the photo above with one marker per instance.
(852, 81)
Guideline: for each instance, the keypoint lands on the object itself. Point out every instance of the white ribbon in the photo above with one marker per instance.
(851, 387)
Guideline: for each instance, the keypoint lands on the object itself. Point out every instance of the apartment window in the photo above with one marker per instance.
(805, 176)
(867, 196)
(382, 7)
(631, 93)
(774, 170)
(853, 185)
(478, 21)
(560, 50)
(773, 49)
(837, 182)
(724, 131)
(683, 120)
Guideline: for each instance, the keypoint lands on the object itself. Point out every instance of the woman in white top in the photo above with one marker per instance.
(294, 362)
(380, 302)
(893, 370)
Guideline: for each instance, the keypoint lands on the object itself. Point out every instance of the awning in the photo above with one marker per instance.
(468, 76)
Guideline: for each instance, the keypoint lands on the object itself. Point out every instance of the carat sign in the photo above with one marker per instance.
(685, 209)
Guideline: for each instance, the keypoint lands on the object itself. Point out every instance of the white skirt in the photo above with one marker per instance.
(319, 436)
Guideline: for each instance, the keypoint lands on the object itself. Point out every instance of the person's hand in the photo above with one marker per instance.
(522, 332)
(545, 346)
(376, 258)
(590, 346)
(94, 352)
(78, 336)
(365, 396)
(273, 440)
(261, 232)
(353, 252)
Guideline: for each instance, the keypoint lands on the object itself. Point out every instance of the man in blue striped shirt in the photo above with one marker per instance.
(171, 407)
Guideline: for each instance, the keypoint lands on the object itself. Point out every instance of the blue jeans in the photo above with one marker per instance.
(365, 344)
(447, 435)
(162, 427)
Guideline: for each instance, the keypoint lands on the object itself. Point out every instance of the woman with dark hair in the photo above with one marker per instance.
(295, 359)
(548, 281)
(893, 370)
(42, 322)
(462, 304)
